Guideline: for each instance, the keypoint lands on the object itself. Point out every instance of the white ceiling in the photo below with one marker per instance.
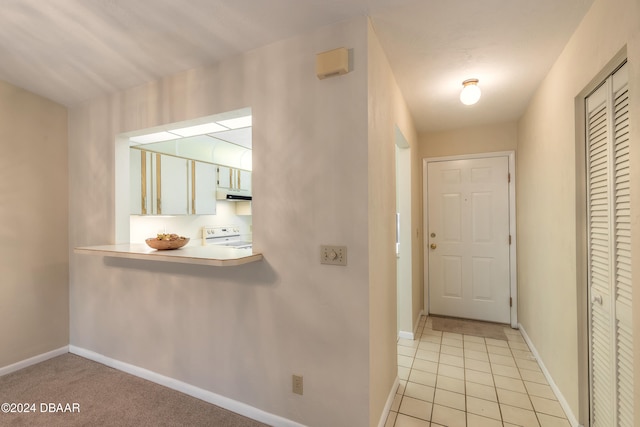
(74, 50)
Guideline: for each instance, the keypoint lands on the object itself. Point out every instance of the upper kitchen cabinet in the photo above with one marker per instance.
(244, 181)
(140, 182)
(171, 188)
(203, 188)
(190, 161)
(158, 184)
(233, 183)
(168, 185)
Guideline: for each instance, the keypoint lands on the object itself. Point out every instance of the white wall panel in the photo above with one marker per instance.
(242, 332)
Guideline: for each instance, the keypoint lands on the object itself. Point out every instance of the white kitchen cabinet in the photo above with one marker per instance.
(171, 185)
(225, 177)
(234, 180)
(168, 185)
(140, 200)
(203, 188)
(244, 181)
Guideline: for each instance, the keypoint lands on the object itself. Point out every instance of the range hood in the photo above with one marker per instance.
(232, 195)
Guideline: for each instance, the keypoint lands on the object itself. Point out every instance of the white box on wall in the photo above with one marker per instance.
(332, 63)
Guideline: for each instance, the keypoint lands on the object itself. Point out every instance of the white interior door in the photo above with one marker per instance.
(468, 238)
(609, 253)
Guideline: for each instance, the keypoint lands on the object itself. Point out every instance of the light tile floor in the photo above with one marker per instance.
(455, 380)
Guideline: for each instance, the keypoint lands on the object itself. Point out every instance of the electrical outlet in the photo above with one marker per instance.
(335, 255)
(297, 384)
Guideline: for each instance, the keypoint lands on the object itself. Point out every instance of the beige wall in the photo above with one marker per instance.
(480, 139)
(387, 110)
(242, 332)
(546, 195)
(33, 225)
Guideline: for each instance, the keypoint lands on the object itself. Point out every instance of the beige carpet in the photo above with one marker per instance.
(469, 327)
(105, 396)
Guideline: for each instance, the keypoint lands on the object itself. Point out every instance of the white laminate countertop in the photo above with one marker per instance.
(213, 255)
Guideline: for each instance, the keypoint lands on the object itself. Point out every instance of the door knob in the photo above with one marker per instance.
(433, 246)
(596, 298)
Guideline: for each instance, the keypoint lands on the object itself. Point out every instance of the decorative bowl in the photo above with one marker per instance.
(163, 245)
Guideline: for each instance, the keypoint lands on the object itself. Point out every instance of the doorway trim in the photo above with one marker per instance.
(513, 273)
(406, 323)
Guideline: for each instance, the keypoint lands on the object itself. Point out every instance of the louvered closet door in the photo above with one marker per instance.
(608, 188)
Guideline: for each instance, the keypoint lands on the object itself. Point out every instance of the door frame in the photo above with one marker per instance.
(513, 273)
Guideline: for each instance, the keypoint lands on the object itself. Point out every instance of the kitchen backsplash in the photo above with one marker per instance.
(143, 227)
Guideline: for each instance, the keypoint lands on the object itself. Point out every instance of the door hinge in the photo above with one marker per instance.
(510, 302)
(509, 238)
(509, 177)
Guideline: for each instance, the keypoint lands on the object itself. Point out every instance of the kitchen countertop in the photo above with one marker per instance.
(193, 253)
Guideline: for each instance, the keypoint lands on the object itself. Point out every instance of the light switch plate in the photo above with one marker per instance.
(334, 255)
(297, 384)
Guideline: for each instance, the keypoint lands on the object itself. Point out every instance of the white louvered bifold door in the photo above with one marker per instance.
(609, 252)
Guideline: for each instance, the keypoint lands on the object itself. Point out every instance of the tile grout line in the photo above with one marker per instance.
(464, 367)
(525, 386)
(493, 381)
(435, 385)
(512, 355)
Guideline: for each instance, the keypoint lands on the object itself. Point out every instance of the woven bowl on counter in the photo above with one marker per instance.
(163, 245)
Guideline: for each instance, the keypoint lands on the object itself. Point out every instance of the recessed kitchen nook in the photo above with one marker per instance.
(185, 180)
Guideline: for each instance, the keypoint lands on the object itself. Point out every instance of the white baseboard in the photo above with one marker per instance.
(411, 335)
(33, 360)
(199, 393)
(563, 402)
(387, 406)
(406, 335)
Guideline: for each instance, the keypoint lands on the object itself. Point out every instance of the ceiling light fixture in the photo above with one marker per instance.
(470, 93)
(239, 122)
(199, 129)
(153, 137)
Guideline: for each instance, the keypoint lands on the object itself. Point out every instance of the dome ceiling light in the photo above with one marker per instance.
(470, 93)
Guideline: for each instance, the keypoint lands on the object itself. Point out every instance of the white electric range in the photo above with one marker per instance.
(225, 235)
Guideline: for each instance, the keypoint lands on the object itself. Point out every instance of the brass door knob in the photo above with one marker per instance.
(433, 246)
